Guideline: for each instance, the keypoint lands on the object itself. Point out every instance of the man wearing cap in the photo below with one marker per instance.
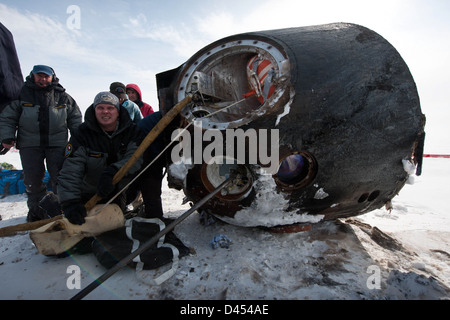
(103, 143)
(38, 124)
(119, 90)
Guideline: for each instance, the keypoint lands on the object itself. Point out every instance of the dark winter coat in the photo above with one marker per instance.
(11, 79)
(41, 117)
(90, 150)
(146, 125)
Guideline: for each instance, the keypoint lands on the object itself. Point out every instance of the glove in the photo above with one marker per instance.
(6, 145)
(74, 212)
(50, 204)
(3, 150)
(105, 183)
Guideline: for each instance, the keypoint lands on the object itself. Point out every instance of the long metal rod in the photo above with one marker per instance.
(167, 147)
(12, 230)
(148, 140)
(122, 263)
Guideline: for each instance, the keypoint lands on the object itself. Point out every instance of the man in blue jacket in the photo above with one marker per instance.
(119, 90)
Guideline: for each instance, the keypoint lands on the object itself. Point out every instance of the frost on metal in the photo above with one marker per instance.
(344, 102)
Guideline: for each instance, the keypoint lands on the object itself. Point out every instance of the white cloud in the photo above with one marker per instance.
(46, 40)
(83, 64)
(132, 46)
(183, 39)
(38, 34)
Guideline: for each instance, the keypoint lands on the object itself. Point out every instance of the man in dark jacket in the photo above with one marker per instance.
(38, 123)
(103, 143)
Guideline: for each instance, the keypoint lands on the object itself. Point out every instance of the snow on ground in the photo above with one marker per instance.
(382, 255)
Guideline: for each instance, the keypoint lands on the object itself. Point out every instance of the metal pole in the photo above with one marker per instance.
(122, 263)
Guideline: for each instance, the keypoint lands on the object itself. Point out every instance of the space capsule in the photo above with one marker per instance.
(340, 101)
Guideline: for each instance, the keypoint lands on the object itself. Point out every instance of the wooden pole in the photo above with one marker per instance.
(151, 136)
(148, 140)
(12, 230)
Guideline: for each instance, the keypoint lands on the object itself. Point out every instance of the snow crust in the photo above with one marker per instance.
(407, 258)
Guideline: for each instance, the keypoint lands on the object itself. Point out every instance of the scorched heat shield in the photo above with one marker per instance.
(339, 100)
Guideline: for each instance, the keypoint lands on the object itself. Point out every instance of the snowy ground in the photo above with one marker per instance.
(404, 254)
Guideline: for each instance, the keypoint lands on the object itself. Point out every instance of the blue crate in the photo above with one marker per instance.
(8, 181)
(11, 181)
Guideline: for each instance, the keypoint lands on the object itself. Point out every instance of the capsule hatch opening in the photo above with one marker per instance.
(218, 170)
(234, 83)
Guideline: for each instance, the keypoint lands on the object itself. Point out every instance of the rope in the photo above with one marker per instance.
(164, 150)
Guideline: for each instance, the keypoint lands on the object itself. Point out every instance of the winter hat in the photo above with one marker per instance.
(106, 98)
(43, 69)
(136, 88)
(118, 88)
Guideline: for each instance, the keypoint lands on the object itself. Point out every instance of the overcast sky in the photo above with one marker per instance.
(93, 43)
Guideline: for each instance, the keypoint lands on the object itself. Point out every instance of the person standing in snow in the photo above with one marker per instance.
(135, 95)
(119, 90)
(103, 143)
(38, 123)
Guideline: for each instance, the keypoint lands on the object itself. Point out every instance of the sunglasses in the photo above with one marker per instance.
(120, 90)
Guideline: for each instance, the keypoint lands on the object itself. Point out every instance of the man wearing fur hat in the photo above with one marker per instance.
(103, 143)
(38, 124)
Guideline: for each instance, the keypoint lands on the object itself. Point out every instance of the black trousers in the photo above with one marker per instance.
(150, 183)
(34, 161)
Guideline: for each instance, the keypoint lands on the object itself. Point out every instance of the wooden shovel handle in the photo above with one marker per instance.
(151, 136)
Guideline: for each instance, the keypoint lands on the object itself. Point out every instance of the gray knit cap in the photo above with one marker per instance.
(106, 97)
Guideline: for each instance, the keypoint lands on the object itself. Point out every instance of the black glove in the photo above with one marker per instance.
(105, 184)
(50, 204)
(3, 150)
(74, 212)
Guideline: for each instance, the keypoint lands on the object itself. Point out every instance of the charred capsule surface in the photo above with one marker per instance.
(344, 106)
